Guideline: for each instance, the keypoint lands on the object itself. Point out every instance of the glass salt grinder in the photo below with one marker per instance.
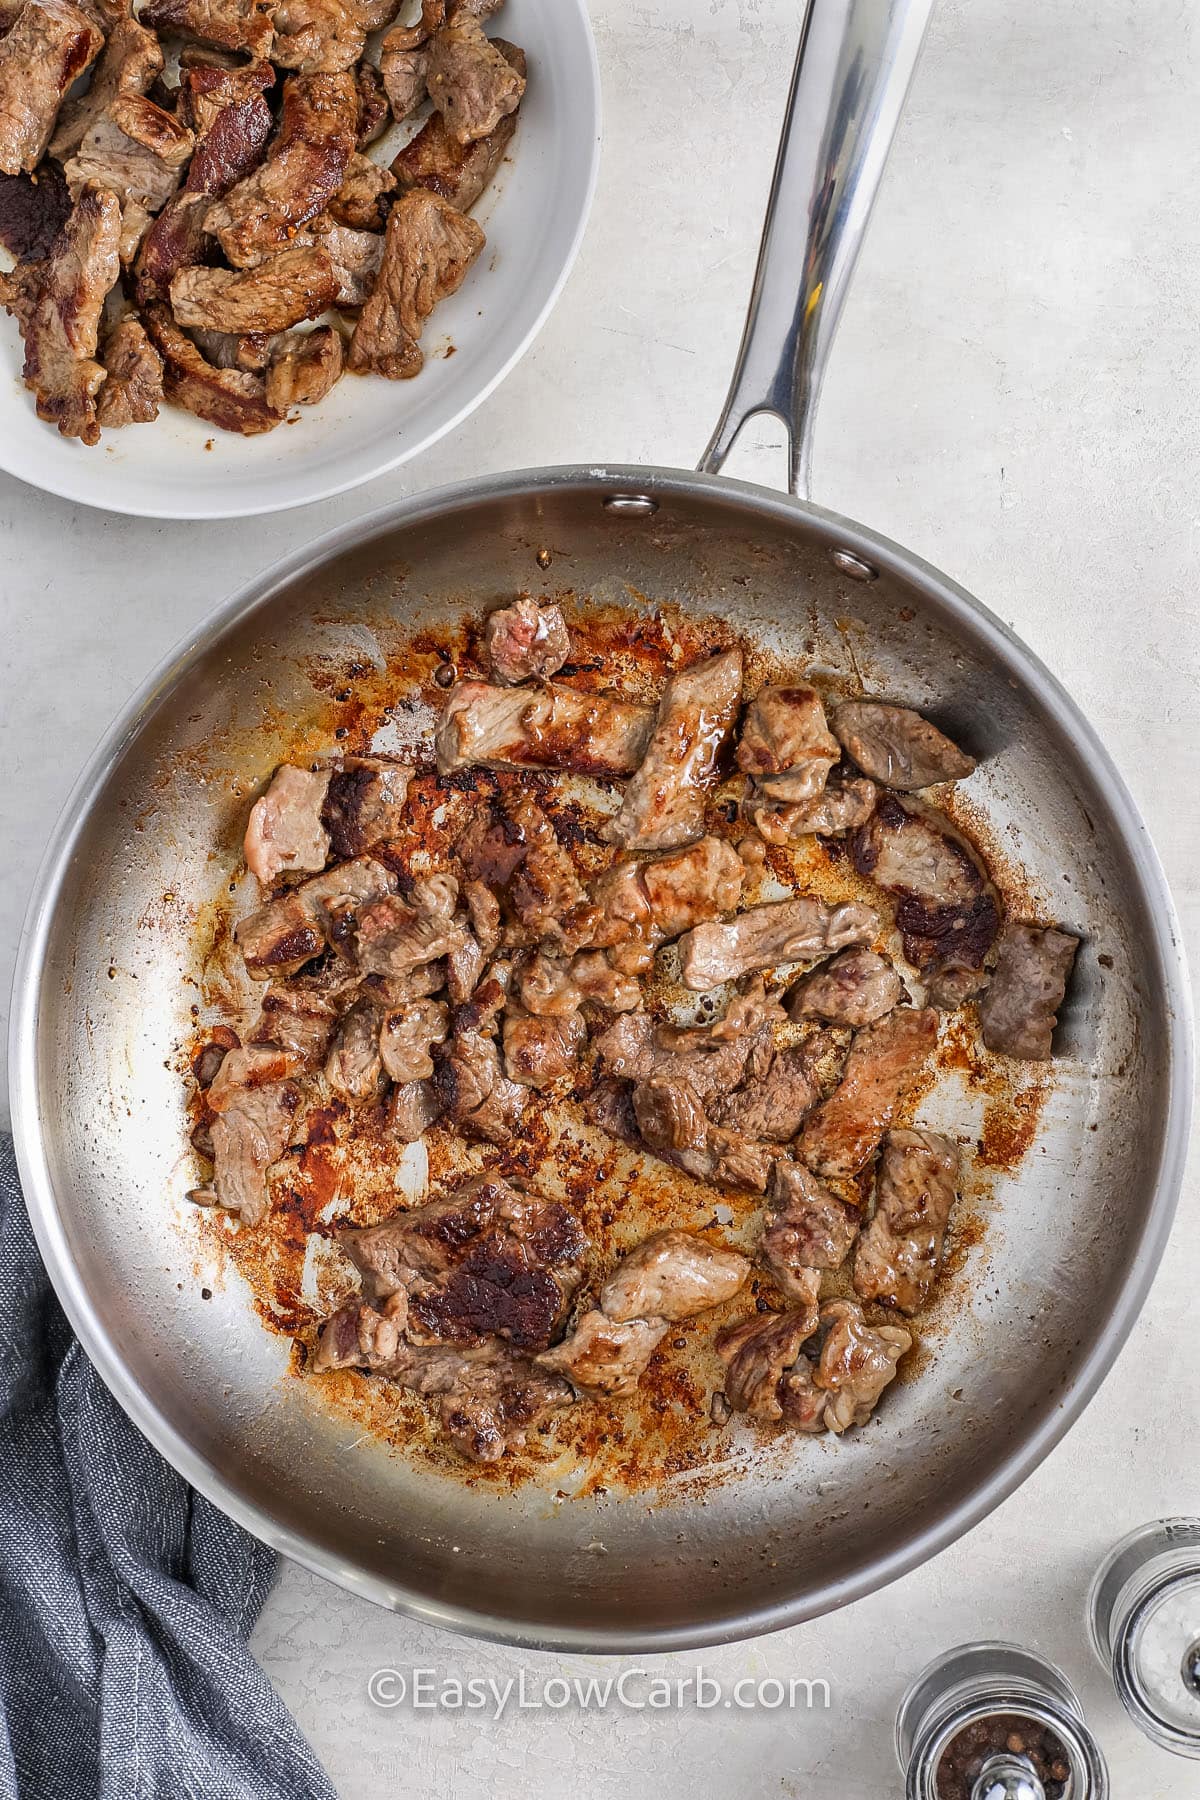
(1143, 1618)
(969, 1716)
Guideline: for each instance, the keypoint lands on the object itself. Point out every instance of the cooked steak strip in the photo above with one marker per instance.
(61, 326)
(404, 68)
(374, 112)
(32, 212)
(782, 931)
(656, 899)
(224, 24)
(486, 1261)
(774, 1102)
(129, 62)
(209, 87)
(540, 728)
(412, 1108)
(1019, 1010)
(48, 48)
(490, 1398)
(757, 1353)
(540, 1051)
(885, 1062)
(948, 911)
(603, 1358)
(278, 292)
(427, 252)
(841, 807)
(224, 397)
(435, 159)
(470, 81)
(305, 369)
(808, 1229)
(135, 150)
(513, 849)
(857, 1362)
(353, 1066)
(255, 1104)
(672, 1275)
(282, 936)
(786, 744)
(407, 1036)
(394, 937)
(361, 201)
(853, 989)
(664, 802)
(285, 829)
(133, 391)
(900, 1251)
(896, 746)
(317, 36)
(527, 641)
(305, 166)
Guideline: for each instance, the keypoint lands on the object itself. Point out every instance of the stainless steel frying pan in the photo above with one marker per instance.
(151, 834)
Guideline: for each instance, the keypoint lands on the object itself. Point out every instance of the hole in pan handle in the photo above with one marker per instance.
(853, 69)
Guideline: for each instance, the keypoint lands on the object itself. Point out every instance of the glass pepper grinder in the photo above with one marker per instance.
(996, 1722)
(1144, 1622)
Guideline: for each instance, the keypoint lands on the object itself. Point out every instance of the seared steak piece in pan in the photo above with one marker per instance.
(854, 988)
(1020, 1008)
(209, 84)
(527, 641)
(540, 1051)
(486, 1261)
(489, 1397)
(541, 728)
(255, 1105)
(604, 1358)
(896, 746)
(900, 1251)
(948, 911)
(403, 69)
(353, 1066)
(374, 111)
(659, 897)
(840, 807)
(32, 213)
(782, 931)
(664, 802)
(857, 1362)
(786, 744)
(406, 1037)
(394, 937)
(757, 1353)
(285, 828)
(513, 850)
(282, 936)
(427, 252)
(672, 1275)
(412, 1109)
(774, 1100)
(808, 1229)
(45, 52)
(885, 1062)
(60, 319)
(470, 81)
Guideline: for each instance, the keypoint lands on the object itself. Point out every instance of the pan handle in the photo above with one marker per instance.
(853, 68)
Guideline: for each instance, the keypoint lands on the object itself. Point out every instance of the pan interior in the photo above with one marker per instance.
(796, 1526)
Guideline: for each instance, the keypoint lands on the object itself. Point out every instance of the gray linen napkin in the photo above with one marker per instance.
(125, 1598)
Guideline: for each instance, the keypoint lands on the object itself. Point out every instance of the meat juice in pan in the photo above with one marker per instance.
(350, 1170)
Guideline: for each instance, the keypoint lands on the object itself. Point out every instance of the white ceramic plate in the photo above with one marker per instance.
(534, 215)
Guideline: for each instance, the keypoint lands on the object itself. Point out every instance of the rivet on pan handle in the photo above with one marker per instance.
(853, 69)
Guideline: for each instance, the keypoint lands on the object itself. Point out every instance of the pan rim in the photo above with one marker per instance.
(920, 1544)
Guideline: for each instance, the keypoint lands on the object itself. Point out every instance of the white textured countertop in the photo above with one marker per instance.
(1014, 395)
